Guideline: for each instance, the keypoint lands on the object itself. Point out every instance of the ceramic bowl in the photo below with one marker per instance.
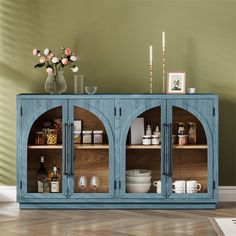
(137, 188)
(91, 89)
(138, 179)
(138, 172)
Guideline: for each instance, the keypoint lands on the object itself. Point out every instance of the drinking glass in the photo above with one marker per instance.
(82, 182)
(94, 183)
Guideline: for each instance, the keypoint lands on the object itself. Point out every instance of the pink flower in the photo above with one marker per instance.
(49, 70)
(64, 61)
(50, 56)
(42, 59)
(35, 51)
(67, 51)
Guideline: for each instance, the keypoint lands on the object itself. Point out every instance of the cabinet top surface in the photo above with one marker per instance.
(116, 96)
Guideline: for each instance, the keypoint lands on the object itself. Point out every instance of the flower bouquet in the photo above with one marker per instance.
(54, 65)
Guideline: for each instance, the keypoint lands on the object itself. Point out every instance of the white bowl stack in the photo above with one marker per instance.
(138, 180)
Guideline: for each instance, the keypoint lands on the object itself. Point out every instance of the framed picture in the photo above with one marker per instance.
(176, 82)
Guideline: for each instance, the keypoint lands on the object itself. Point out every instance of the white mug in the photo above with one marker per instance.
(179, 186)
(193, 186)
(191, 90)
(157, 183)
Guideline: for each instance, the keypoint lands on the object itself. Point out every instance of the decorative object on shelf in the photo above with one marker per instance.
(156, 137)
(181, 128)
(147, 140)
(94, 183)
(182, 139)
(78, 84)
(41, 175)
(55, 181)
(157, 184)
(52, 136)
(148, 130)
(55, 82)
(176, 82)
(137, 131)
(191, 90)
(87, 136)
(192, 186)
(57, 124)
(150, 69)
(91, 89)
(82, 183)
(138, 180)
(178, 186)
(97, 136)
(192, 132)
(77, 137)
(163, 61)
(39, 138)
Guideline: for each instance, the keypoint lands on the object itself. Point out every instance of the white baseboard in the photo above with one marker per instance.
(7, 193)
(226, 193)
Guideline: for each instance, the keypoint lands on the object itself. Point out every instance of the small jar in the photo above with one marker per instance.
(77, 137)
(39, 138)
(183, 139)
(155, 139)
(46, 126)
(147, 139)
(174, 139)
(97, 136)
(87, 136)
(181, 128)
(57, 124)
(52, 136)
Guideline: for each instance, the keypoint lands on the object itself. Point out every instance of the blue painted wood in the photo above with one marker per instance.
(117, 125)
(31, 111)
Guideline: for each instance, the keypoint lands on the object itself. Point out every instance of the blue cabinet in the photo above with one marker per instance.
(96, 174)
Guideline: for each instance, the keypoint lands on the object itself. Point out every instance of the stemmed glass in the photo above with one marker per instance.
(82, 182)
(94, 183)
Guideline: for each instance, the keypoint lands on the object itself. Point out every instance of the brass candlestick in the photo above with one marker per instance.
(163, 68)
(150, 78)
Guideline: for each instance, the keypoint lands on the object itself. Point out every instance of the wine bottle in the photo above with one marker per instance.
(41, 175)
(55, 181)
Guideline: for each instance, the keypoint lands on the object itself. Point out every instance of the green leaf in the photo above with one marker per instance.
(39, 65)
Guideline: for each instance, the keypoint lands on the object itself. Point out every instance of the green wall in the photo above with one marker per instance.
(112, 39)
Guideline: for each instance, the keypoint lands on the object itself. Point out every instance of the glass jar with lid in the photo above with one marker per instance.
(97, 136)
(77, 137)
(39, 138)
(147, 139)
(52, 136)
(87, 136)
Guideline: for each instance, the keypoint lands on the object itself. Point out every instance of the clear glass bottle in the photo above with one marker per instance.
(148, 130)
(42, 175)
(55, 181)
(157, 134)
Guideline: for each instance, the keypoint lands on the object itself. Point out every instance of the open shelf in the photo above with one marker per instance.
(76, 146)
(196, 146)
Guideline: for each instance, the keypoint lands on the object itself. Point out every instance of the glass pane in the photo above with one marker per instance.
(91, 149)
(190, 167)
(44, 167)
(143, 153)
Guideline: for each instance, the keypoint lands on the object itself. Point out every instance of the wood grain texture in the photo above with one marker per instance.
(15, 222)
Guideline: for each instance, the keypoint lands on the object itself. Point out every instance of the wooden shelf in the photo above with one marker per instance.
(76, 146)
(196, 146)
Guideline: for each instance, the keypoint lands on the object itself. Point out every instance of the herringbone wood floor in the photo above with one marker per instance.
(15, 222)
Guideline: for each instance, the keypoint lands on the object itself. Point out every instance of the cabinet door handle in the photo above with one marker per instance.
(65, 147)
(165, 150)
(170, 151)
(71, 147)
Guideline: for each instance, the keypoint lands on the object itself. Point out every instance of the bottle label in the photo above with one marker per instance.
(40, 186)
(54, 186)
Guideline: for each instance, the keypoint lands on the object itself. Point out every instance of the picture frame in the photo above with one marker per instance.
(176, 82)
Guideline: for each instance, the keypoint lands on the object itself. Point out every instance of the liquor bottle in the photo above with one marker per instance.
(41, 175)
(55, 181)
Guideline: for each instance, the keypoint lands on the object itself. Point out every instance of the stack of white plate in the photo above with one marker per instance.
(138, 180)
